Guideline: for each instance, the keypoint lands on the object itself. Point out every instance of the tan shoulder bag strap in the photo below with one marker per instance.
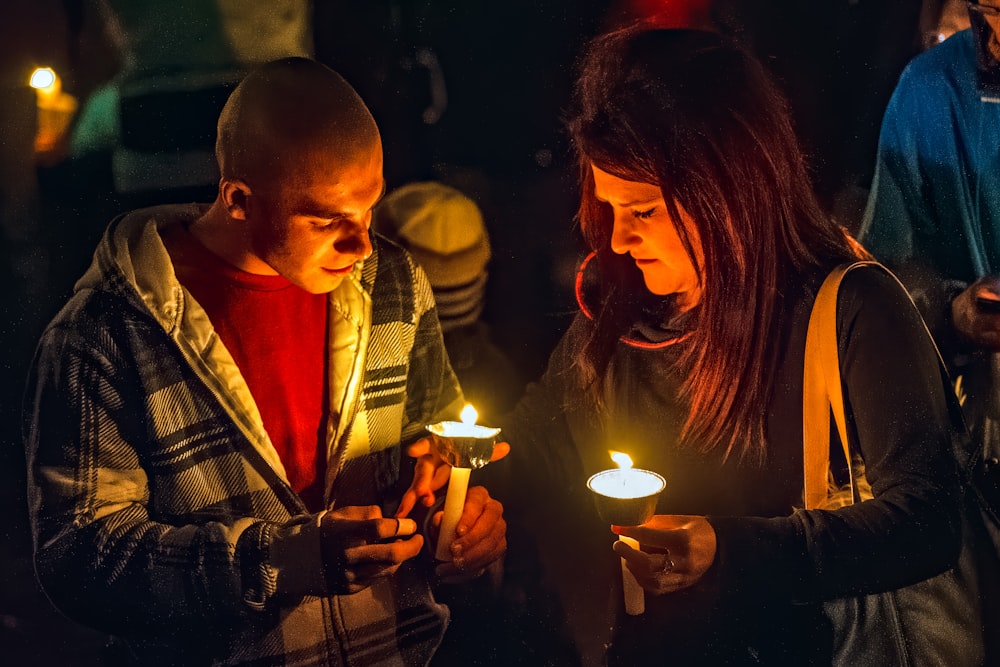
(822, 390)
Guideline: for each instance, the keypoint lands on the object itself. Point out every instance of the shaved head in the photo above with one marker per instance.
(288, 112)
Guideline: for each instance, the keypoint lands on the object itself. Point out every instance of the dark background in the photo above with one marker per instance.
(507, 67)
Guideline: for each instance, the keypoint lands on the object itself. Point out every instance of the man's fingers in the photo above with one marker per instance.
(396, 527)
(406, 503)
(354, 513)
(362, 576)
(358, 532)
(419, 448)
(500, 450)
(385, 554)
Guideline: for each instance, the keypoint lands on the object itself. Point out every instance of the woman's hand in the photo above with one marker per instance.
(675, 551)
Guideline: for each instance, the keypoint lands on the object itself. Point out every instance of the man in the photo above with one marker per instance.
(214, 420)
(933, 213)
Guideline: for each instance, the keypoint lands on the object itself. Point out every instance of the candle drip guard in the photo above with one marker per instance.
(620, 511)
(472, 450)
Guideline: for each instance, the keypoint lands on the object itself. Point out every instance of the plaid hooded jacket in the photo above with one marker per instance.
(159, 508)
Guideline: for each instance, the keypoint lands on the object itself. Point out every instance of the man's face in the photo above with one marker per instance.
(311, 225)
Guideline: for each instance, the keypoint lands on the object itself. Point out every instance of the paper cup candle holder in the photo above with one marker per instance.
(626, 496)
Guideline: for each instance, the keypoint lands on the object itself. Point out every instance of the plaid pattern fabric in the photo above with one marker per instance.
(156, 497)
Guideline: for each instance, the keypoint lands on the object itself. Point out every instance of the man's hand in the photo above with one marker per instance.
(481, 535)
(359, 546)
(675, 551)
(431, 472)
(977, 325)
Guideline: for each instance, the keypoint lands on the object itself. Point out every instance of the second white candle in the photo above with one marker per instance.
(635, 597)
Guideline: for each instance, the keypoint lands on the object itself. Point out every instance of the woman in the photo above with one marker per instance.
(708, 248)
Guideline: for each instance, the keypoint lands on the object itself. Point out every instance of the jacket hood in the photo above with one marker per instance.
(132, 260)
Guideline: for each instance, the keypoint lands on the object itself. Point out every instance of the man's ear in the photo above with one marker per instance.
(235, 194)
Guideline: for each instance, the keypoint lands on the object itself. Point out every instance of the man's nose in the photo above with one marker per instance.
(357, 241)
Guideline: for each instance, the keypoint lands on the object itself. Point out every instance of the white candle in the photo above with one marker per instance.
(627, 496)
(635, 597)
(454, 503)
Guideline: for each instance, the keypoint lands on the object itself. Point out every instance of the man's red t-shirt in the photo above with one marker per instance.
(276, 333)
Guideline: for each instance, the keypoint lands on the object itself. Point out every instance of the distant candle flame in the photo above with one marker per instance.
(43, 78)
(623, 460)
(469, 414)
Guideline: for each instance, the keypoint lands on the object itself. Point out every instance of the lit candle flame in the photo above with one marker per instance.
(623, 460)
(43, 78)
(469, 414)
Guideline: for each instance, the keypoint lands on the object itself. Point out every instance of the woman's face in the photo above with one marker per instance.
(644, 230)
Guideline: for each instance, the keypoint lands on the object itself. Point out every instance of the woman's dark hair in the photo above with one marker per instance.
(696, 115)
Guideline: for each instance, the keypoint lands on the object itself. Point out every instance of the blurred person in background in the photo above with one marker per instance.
(444, 231)
(178, 62)
(933, 214)
(940, 19)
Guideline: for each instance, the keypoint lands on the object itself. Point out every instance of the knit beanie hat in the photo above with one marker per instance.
(443, 229)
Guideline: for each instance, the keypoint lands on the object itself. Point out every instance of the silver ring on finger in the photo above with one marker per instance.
(668, 565)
